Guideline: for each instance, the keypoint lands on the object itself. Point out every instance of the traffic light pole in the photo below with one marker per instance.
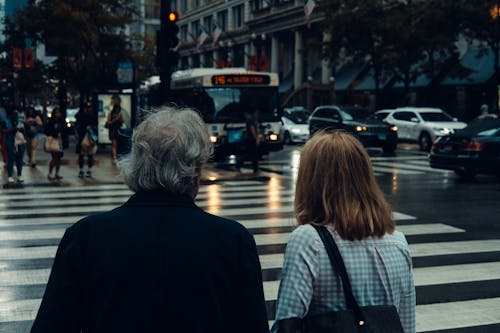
(163, 49)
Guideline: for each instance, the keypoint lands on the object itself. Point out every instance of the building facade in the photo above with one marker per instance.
(265, 35)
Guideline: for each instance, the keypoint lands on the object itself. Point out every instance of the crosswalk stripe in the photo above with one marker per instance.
(452, 315)
(56, 232)
(428, 276)
(96, 190)
(395, 171)
(212, 199)
(401, 166)
(430, 317)
(269, 261)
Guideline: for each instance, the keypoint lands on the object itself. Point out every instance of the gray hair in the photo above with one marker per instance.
(169, 149)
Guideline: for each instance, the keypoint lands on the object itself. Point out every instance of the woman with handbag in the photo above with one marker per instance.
(33, 125)
(55, 128)
(346, 269)
(85, 129)
(113, 123)
(15, 144)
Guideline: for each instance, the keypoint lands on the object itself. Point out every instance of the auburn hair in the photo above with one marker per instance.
(336, 185)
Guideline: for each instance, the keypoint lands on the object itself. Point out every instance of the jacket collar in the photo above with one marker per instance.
(160, 198)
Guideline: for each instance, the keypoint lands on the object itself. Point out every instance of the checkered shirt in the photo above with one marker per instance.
(380, 271)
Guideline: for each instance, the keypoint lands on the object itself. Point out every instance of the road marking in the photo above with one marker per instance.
(395, 171)
(409, 167)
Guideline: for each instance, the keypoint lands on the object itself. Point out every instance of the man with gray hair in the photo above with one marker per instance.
(158, 263)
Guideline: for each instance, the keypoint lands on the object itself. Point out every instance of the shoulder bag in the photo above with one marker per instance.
(89, 144)
(52, 144)
(19, 139)
(355, 319)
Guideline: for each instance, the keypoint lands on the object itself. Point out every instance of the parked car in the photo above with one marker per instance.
(295, 128)
(470, 151)
(423, 125)
(371, 131)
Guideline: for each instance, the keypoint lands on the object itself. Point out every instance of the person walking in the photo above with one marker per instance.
(158, 263)
(3, 147)
(15, 144)
(55, 128)
(336, 188)
(33, 126)
(113, 123)
(252, 141)
(86, 124)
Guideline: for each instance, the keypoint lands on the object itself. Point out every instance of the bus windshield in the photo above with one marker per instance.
(229, 104)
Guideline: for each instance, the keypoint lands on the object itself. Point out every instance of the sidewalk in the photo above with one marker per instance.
(103, 172)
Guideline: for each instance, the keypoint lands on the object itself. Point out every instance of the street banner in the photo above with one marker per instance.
(217, 33)
(125, 72)
(29, 57)
(308, 9)
(202, 37)
(17, 58)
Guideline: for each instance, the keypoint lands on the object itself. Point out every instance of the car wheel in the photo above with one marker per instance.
(465, 173)
(389, 148)
(425, 142)
(287, 139)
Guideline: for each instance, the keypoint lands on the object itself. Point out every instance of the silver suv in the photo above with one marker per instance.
(423, 125)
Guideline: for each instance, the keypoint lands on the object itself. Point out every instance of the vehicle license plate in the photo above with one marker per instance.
(382, 136)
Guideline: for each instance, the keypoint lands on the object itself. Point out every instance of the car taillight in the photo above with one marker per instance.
(475, 146)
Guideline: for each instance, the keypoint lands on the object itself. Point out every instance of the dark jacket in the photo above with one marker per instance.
(55, 128)
(156, 264)
(84, 119)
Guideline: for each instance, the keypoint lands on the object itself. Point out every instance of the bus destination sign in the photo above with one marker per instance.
(243, 79)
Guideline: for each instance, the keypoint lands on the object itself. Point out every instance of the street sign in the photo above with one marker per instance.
(125, 72)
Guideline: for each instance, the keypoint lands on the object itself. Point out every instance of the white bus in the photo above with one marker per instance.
(223, 97)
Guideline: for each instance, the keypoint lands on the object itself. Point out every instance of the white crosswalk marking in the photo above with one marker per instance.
(266, 209)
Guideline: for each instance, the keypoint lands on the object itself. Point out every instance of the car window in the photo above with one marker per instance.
(404, 115)
(381, 115)
(490, 132)
(435, 116)
(298, 117)
(327, 113)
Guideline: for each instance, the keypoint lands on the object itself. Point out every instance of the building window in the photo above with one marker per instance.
(184, 33)
(195, 28)
(238, 14)
(183, 6)
(152, 9)
(207, 24)
(196, 4)
(222, 20)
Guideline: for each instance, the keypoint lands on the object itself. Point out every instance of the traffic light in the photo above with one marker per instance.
(172, 41)
(167, 42)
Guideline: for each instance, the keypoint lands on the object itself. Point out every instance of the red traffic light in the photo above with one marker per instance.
(173, 17)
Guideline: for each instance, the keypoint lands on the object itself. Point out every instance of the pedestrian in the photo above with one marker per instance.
(33, 125)
(336, 188)
(3, 147)
(15, 144)
(113, 123)
(86, 125)
(159, 262)
(252, 140)
(55, 128)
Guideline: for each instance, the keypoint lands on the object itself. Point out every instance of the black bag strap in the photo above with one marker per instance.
(339, 268)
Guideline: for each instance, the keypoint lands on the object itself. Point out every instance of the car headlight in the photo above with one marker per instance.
(393, 128)
(442, 130)
(296, 130)
(360, 128)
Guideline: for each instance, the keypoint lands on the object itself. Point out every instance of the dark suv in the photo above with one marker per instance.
(371, 131)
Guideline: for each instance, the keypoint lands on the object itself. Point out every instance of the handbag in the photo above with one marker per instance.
(355, 319)
(52, 145)
(88, 145)
(19, 139)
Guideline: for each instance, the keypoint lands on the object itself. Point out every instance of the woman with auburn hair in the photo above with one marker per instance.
(336, 188)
